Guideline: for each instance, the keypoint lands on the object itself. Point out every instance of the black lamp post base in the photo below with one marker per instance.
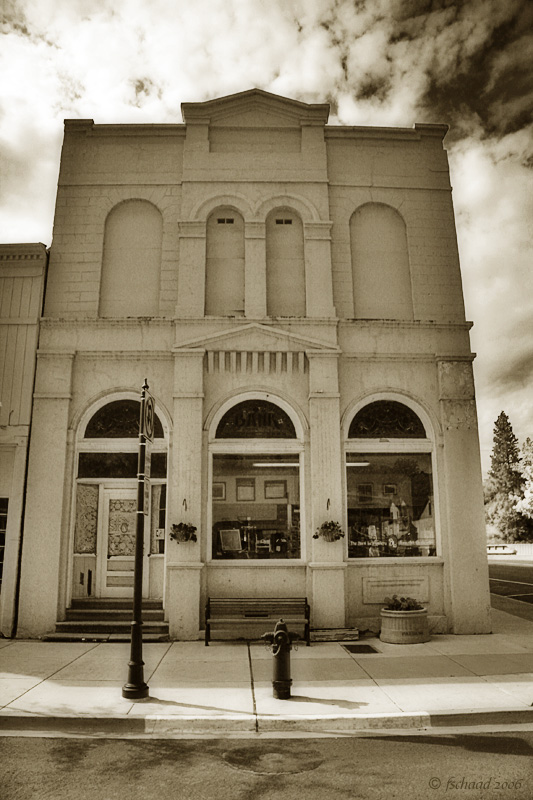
(133, 691)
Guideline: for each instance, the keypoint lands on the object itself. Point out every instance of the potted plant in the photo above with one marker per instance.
(183, 532)
(404, 621)
(331, 531)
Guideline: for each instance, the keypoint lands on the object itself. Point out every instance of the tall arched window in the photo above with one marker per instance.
(380, 264)
(255, 488)
(389, 483)
(285, 264)
(224, 281)
(131, 264)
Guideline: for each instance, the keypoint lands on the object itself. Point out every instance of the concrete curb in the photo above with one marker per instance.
(161, 725)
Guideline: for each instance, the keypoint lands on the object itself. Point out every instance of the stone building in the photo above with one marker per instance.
(22, 274)
(291, 291)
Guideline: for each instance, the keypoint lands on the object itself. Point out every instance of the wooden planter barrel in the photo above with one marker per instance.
(404, 627)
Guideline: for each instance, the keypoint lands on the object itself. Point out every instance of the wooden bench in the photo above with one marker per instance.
(231, 612)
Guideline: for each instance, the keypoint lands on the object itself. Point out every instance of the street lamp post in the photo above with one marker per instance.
(136, 688)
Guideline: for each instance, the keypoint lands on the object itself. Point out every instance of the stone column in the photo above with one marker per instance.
(44, 525)
(326, 566)
(255, 270)
(183, 561)
(465, 548)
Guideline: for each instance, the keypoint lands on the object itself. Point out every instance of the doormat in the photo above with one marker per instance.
(360, 648)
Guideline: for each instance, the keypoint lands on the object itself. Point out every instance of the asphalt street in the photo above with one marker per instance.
(512, 580)
(484, 766)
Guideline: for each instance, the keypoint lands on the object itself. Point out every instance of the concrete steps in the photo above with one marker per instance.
(104, 619)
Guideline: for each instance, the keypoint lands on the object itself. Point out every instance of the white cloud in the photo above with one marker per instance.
(384, 62)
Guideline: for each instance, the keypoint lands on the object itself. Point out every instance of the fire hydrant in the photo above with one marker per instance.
(281, 643)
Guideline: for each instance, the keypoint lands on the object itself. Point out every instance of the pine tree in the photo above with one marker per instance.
(525, 504)
(504, 487)
(505, 459)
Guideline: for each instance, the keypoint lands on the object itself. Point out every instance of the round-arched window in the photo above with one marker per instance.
(119, 420)
(389, 483)
(255, 419)
(255, 488)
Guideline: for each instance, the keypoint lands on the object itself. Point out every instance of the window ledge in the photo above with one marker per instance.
(256, 562)
(398, 560)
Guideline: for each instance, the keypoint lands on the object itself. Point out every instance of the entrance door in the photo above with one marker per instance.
(116, 546)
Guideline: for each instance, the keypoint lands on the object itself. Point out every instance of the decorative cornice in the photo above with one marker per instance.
(117, 355)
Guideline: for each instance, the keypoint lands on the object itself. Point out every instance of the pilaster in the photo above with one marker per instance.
(318, 271)
(183, 566)
(191, 271)
(327, 568)
(255, 270)
(44, 523)
(467, 561)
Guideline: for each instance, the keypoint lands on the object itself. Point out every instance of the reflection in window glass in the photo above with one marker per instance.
(256, 507)
(390, 505)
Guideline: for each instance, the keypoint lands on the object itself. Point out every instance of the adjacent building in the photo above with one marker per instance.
(291, 291)
(22, 276)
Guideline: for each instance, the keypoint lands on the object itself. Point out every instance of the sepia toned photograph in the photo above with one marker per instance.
(266, 416)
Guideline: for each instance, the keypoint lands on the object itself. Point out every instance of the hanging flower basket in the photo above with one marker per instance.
(183, 532)
(331, 531)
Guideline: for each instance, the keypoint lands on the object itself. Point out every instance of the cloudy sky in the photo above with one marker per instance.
(468, 63)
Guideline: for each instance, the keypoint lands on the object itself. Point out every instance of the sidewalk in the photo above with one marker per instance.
(226, 688)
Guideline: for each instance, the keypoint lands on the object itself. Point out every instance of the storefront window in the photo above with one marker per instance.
(256, 506)
(390, 504)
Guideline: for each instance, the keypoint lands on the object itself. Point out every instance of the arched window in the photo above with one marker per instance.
(118, 420)
(285, 264)
(389, 483)
(255, 488)
(380, 264)
(224, 281)
(131, 264)
(254, 419)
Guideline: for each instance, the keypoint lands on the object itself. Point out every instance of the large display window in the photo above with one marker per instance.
(389, 484)
(255, 484)
(256, 506)
(390, 505)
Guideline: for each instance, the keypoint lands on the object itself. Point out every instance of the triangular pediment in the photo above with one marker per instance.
(257, 337)
(255, 108)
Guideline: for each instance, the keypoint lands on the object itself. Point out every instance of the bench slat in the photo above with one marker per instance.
(254, 610)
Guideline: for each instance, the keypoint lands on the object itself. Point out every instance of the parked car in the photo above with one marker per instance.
(500, 550)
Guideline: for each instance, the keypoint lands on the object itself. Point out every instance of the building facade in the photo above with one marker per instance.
(22, 276)
(291, 291)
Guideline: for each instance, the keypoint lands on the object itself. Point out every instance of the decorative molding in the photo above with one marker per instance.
(118, 355)
(459, 414)
(376, 589)
(456, 380)
(318, 230)
(281, 339)
(350, 323)
(253, 362)
(376, 357)
(192, 229)
(51, 396)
